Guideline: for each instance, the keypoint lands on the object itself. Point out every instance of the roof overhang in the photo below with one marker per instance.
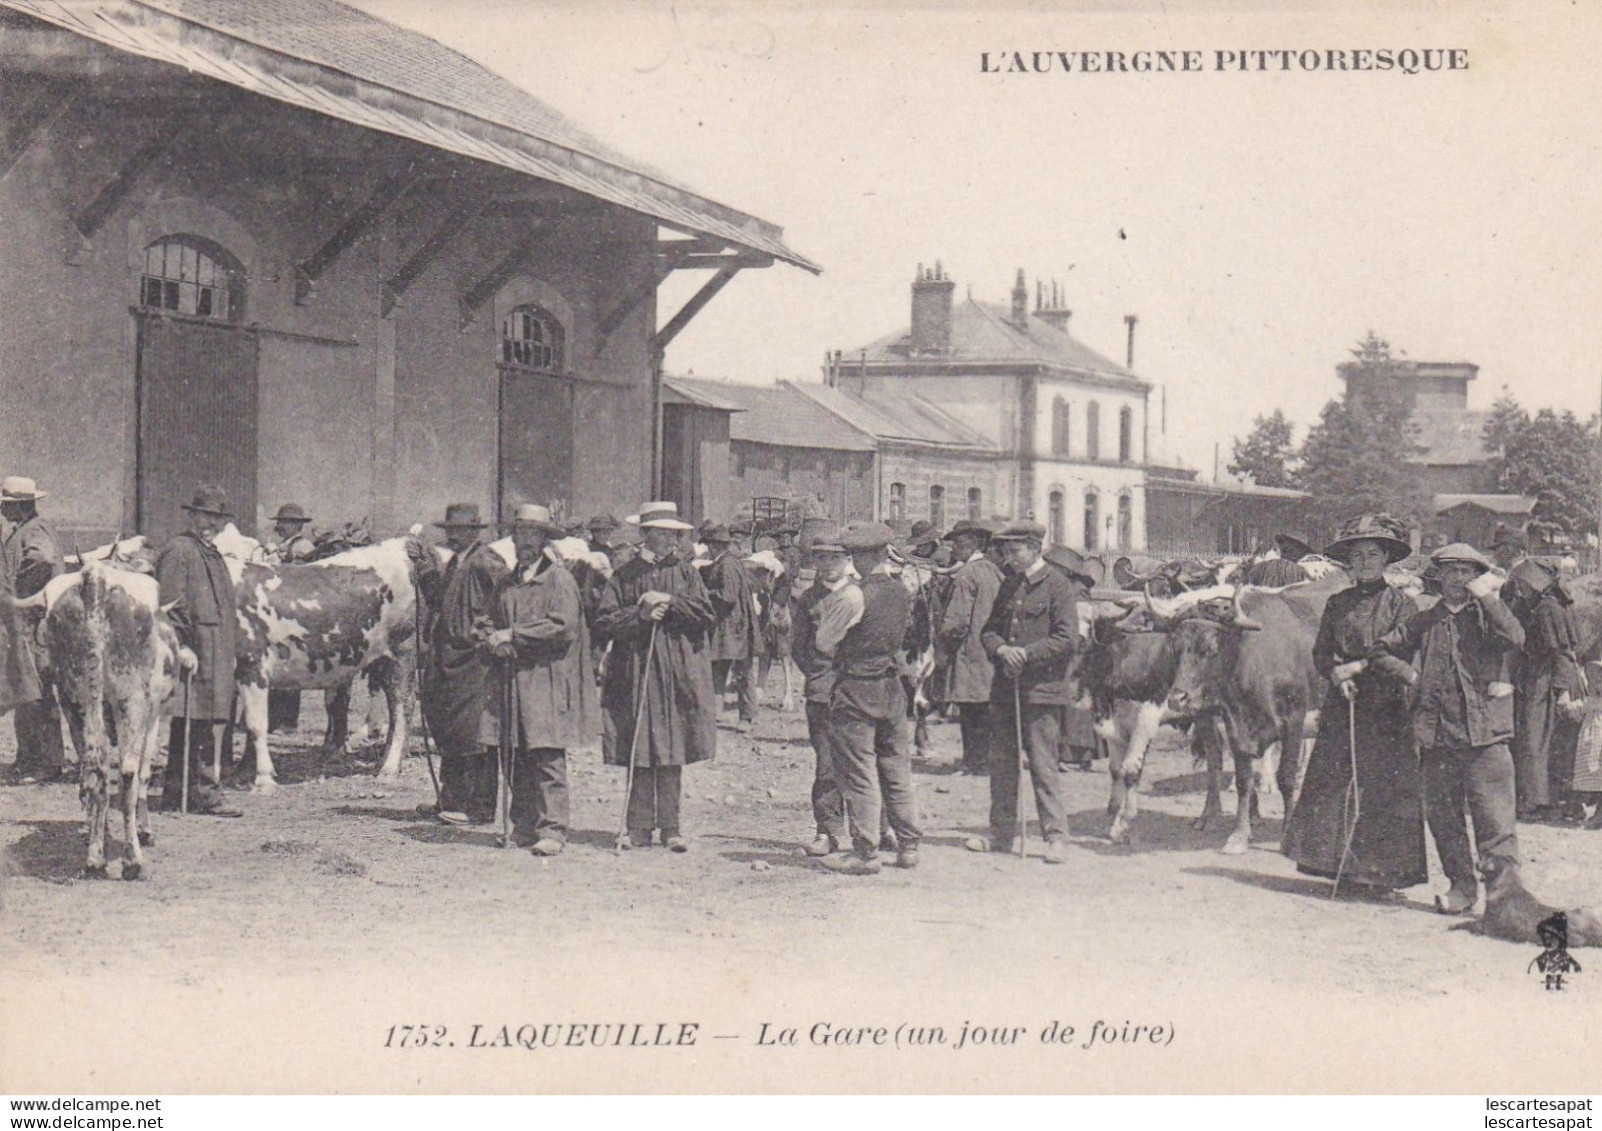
(134, 29)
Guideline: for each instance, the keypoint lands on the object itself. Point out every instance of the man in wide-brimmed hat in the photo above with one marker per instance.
(658, 589)
(541, 645)
(1030, 637)
(966, 672)
(1459, 652)
(195, 581)
(458, 674)
(29, 557)
(734, 639)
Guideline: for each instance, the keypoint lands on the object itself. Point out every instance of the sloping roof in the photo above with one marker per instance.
(984, 332)
(307, 52)
(901, 418)
(703, 394)
(778, 414)
(1451, 438)
(1496, 504)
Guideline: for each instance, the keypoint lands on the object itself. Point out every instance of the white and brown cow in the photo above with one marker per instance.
(115, 658)
(319, 625)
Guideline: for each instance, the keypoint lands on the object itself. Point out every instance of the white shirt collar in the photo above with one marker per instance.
(1039, 564)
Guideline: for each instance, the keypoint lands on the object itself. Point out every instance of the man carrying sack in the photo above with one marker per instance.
(1030, 637)
(458, 673)
(541, 644)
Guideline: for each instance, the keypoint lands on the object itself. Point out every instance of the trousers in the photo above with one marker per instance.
(1041, 735)
(740, 673)
(39, 745)
(468, 783)
(203, 784)
(874, 768)
(828, 813)
(974, 724)
(654, 800)
(539, 792)
(1479, 779)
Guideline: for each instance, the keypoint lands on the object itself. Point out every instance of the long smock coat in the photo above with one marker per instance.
(1387, 841)
(679, 725)
(733, 596)
(967, 670)
(195, 581)
(554, 698)
(1543, 740)
(30, 556)
(457, 677)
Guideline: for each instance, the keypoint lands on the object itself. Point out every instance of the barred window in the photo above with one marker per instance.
(189, 275)
(532, 337)
(1092, 519)
(976, 504)
(937, 507)
(898, 502)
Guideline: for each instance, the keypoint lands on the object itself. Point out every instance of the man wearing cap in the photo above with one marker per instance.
(862, 634)
(457, 676)
(657, 596)
(734, 640)
(541, 649)
(831, 574)
(195, 582)
(1080, 746)
(1509, 547)
(29, 557)
(1030, 638)
(287, 546)
(966, 670)
(1459, 652)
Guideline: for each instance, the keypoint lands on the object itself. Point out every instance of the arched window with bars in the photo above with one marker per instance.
(1055, 518)
(1061, 444)
(1093, 430)
(189, 275)
(1092, 518)
(532, 338)
(1126, 434)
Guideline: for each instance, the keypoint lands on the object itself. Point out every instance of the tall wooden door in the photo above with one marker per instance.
(535, 457)
(197, 419)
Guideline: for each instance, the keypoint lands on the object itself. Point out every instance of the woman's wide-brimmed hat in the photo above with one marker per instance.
(462, 516)
(291, 512)
(1391, 534)
(659, 516)
(537, 517)
(210, 500)
(20, 489)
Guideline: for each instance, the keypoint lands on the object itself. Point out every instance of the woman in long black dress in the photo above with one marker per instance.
(1369, 839)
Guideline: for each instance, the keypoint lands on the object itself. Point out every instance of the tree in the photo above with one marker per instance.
(1267, 455)
(1552, 457)
(1352, 456)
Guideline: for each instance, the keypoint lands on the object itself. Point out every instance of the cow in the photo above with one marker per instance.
(115, 658)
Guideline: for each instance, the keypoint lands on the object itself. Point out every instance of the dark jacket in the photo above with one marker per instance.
(1458, 656)
(32, 557)
(733, 595)
(457, 676)
(554, 698)
(967, 669)
(1039, 614)
(194, 580)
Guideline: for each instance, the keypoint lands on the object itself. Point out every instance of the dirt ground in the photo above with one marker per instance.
(333, 888)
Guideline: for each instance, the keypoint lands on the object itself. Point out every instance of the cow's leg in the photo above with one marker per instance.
(393, 682)
(1116, 737)
(1268, 770)
(1148, 717)
(89, 735)
(1245, 798)
(253, 703)
(131, 731)
(151, 739)
(789, 693)
(337, 700)
(1205, 733)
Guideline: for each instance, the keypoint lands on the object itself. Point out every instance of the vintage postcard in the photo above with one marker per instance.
(799, 547)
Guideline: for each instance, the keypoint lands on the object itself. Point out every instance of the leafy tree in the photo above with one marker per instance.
(1352, 456)
(1267, 455)
(1552, 457)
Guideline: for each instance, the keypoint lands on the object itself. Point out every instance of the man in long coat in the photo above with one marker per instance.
(661, 590)
(965, 669)
(542, 682)
(1547, 681)
(457, 675)
(734, 639)
(1080, 744)
(29, 557)
(195, 581)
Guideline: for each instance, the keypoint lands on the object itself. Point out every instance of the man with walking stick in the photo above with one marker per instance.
(542, 685)
(658, 705)
(1030, 637)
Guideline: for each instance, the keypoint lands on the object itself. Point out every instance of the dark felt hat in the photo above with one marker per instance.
(210, 500)
(291, 512)
(862, 536)
(462, 515)
(1292, 549)
(1021, 530)
(714, 532)
(1075, 565)
(970, 526)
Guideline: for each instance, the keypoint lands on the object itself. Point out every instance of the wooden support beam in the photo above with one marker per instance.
(356, 225)
(718, 262)
(43, 111)
(423, 258)
(703, 245)
(116, 190)
(664, 266)
(480, 292)
(690, 309)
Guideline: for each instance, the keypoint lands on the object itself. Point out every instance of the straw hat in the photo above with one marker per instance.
(660, 516)
(19, 489)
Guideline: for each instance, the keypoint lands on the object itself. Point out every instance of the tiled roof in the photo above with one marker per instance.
(1497, 504)
(984, 332)
(307, 52)
(1451, 438)
(778, 414)
(902, 417)
(705, 394)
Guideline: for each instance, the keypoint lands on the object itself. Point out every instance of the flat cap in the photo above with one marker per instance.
(865, 536)
(1020, 531)
(1460, 553)
(969, 526)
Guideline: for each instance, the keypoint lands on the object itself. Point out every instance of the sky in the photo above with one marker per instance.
(1259, 224)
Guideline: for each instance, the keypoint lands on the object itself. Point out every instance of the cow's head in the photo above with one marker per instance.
(1207, 646)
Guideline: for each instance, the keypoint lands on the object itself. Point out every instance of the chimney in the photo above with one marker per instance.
(1129, 351)
(1053, 313)
(931, 311)
(1020, 302)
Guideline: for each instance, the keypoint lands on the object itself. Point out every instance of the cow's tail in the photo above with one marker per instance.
(94, 592)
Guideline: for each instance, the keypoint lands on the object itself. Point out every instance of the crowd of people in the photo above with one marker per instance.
(1468, 708)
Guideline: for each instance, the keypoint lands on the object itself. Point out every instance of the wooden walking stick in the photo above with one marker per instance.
(634, 738)
(1023, 764)
(183, 751)
(503, 758)
(1354, 794)
(422, 715)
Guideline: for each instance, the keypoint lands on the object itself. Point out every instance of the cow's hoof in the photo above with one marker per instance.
(265, 787)
(132, 871)
(1119, 833)
(146, 838)
(94, 871)
(387, 774)
(1200, 823)
(1234, 846)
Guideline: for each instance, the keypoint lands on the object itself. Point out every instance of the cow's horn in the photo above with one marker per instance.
(1164, 608)
(1240, 619)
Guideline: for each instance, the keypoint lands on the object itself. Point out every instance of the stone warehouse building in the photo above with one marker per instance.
(1064, 428)
(289, 248)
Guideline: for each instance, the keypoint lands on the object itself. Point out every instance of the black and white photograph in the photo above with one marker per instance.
(878, 546)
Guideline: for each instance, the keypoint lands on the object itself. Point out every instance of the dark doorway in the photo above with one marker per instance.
(535, 455)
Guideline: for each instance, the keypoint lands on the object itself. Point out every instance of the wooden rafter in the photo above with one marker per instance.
(89, 220)
(476, 295)
(664, 266)
(355, 226)
(41, 112)
(718, 262)
(423, 258)
(690, 309)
